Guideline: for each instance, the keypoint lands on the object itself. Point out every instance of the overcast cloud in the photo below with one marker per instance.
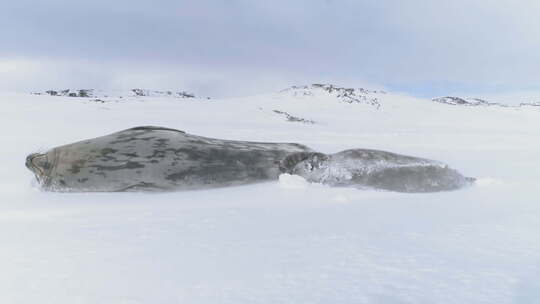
(242, 47)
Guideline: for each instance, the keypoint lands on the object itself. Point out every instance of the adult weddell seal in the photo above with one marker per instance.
(162, 159)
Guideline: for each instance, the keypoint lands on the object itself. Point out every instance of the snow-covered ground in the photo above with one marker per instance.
(285, 241)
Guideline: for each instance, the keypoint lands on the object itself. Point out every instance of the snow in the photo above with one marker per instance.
(289, 181)
(286, 241)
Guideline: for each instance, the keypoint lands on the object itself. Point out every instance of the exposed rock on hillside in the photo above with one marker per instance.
(92, 93)
(292, 118)
(348, 95)
(458, 101)
(153, 93)
(70, 93)
(451, 100)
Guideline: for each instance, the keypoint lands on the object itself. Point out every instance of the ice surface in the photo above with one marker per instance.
(290, 181)
(270, 243)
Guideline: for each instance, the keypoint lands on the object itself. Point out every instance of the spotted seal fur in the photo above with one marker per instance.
(363, 168)
(163, 159)
(156, 158)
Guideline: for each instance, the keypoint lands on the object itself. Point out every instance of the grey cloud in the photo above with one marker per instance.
(462, 43)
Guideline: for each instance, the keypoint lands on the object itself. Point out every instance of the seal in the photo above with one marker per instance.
(162, 159)
(363, 168)
(157, 159)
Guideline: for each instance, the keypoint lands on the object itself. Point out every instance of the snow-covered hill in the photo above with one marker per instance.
(458, 101)
(450, 100)
(348, 95)
(286, 241)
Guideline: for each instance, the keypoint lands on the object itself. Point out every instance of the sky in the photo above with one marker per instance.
(239, 47)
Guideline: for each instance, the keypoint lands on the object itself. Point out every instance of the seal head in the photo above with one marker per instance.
(41, 165)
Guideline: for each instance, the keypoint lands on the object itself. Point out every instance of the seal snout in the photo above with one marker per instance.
(29, 163)
(38, 163)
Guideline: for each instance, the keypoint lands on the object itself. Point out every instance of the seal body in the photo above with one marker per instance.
(154, 159)
(375, 169)
(162, 159)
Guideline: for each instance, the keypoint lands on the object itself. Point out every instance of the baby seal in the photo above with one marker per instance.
(375, 169)
(163, 159)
